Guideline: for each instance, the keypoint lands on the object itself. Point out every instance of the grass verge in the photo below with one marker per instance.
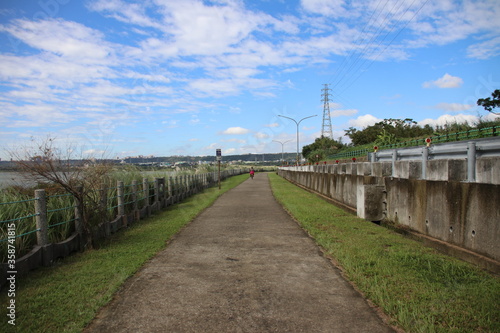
(419, 289)
(66, 297)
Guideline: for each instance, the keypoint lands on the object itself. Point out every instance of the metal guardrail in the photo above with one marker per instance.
(488, 147)
(469, 150)
(458, 137)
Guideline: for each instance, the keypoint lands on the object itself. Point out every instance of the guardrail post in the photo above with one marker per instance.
(371, 157)
(41, 217)
(471, 161)
(394, 158)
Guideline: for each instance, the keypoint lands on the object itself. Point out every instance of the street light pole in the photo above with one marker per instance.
(297, 123)
(282, 144)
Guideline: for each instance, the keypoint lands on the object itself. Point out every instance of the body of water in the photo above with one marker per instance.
(9, 178)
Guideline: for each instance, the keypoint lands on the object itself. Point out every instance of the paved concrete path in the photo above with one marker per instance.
(242, 266)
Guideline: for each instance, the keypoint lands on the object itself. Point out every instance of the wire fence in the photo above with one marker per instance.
(60, 211)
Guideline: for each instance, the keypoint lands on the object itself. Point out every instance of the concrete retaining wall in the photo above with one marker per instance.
(442, 207)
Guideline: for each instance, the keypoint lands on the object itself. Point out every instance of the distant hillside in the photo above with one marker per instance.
(229, 158)
(258, 158)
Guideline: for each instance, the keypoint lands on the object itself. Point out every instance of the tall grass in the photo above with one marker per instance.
(17, 202)
(420, 289)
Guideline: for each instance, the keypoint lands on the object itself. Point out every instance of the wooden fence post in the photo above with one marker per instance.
(177, 190)
(145, 188)
(170, 199)
(41, 218)
(79, 216)
(121, 202)
(137, 215)
(79, 212)
(103, 203)
(121, 198)
(157, 194)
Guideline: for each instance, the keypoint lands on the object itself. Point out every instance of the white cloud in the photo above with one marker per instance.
(453, 107)
(340, 113)
(234, 109)
(324, 7)
(484, 50)
(447, 81)
(201, 29)
(364, 121)
(215, 87)
(93, 152)
(450, 119)
(235, 140)
(62, 38)
(235, 131)
(133, 13)
(230, 151)
(194, 120)
(261, 135)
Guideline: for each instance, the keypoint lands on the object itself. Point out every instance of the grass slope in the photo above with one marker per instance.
(420, 289)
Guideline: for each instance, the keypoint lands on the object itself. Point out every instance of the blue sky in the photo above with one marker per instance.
(170, 77)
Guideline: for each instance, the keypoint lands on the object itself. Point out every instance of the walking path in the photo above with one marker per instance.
(243, 265)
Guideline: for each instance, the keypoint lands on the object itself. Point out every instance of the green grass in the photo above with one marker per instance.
(66, 297)
(418, 288)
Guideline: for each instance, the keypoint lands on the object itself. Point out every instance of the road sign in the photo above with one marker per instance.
(218, 153)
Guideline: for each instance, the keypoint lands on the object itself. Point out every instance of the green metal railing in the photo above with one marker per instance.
(450, 137)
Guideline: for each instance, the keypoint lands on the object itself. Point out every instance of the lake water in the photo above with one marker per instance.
(8, 178)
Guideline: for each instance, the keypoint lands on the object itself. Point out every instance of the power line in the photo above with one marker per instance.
(352, 67)
(360, 72)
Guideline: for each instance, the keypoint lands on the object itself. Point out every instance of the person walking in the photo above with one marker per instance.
(252, 172)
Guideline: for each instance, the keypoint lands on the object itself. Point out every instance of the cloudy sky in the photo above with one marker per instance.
(171, 77)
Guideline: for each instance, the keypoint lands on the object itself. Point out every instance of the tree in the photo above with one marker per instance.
(490, 103)
(320, 148)
(81, 176)
(388, 131)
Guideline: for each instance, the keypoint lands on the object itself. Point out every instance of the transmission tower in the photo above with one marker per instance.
(326, 129)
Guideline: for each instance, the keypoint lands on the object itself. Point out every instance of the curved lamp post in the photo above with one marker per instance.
(282, 144)
(297, 123)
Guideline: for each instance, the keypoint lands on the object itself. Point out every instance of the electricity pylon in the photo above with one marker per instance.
(326, 129)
